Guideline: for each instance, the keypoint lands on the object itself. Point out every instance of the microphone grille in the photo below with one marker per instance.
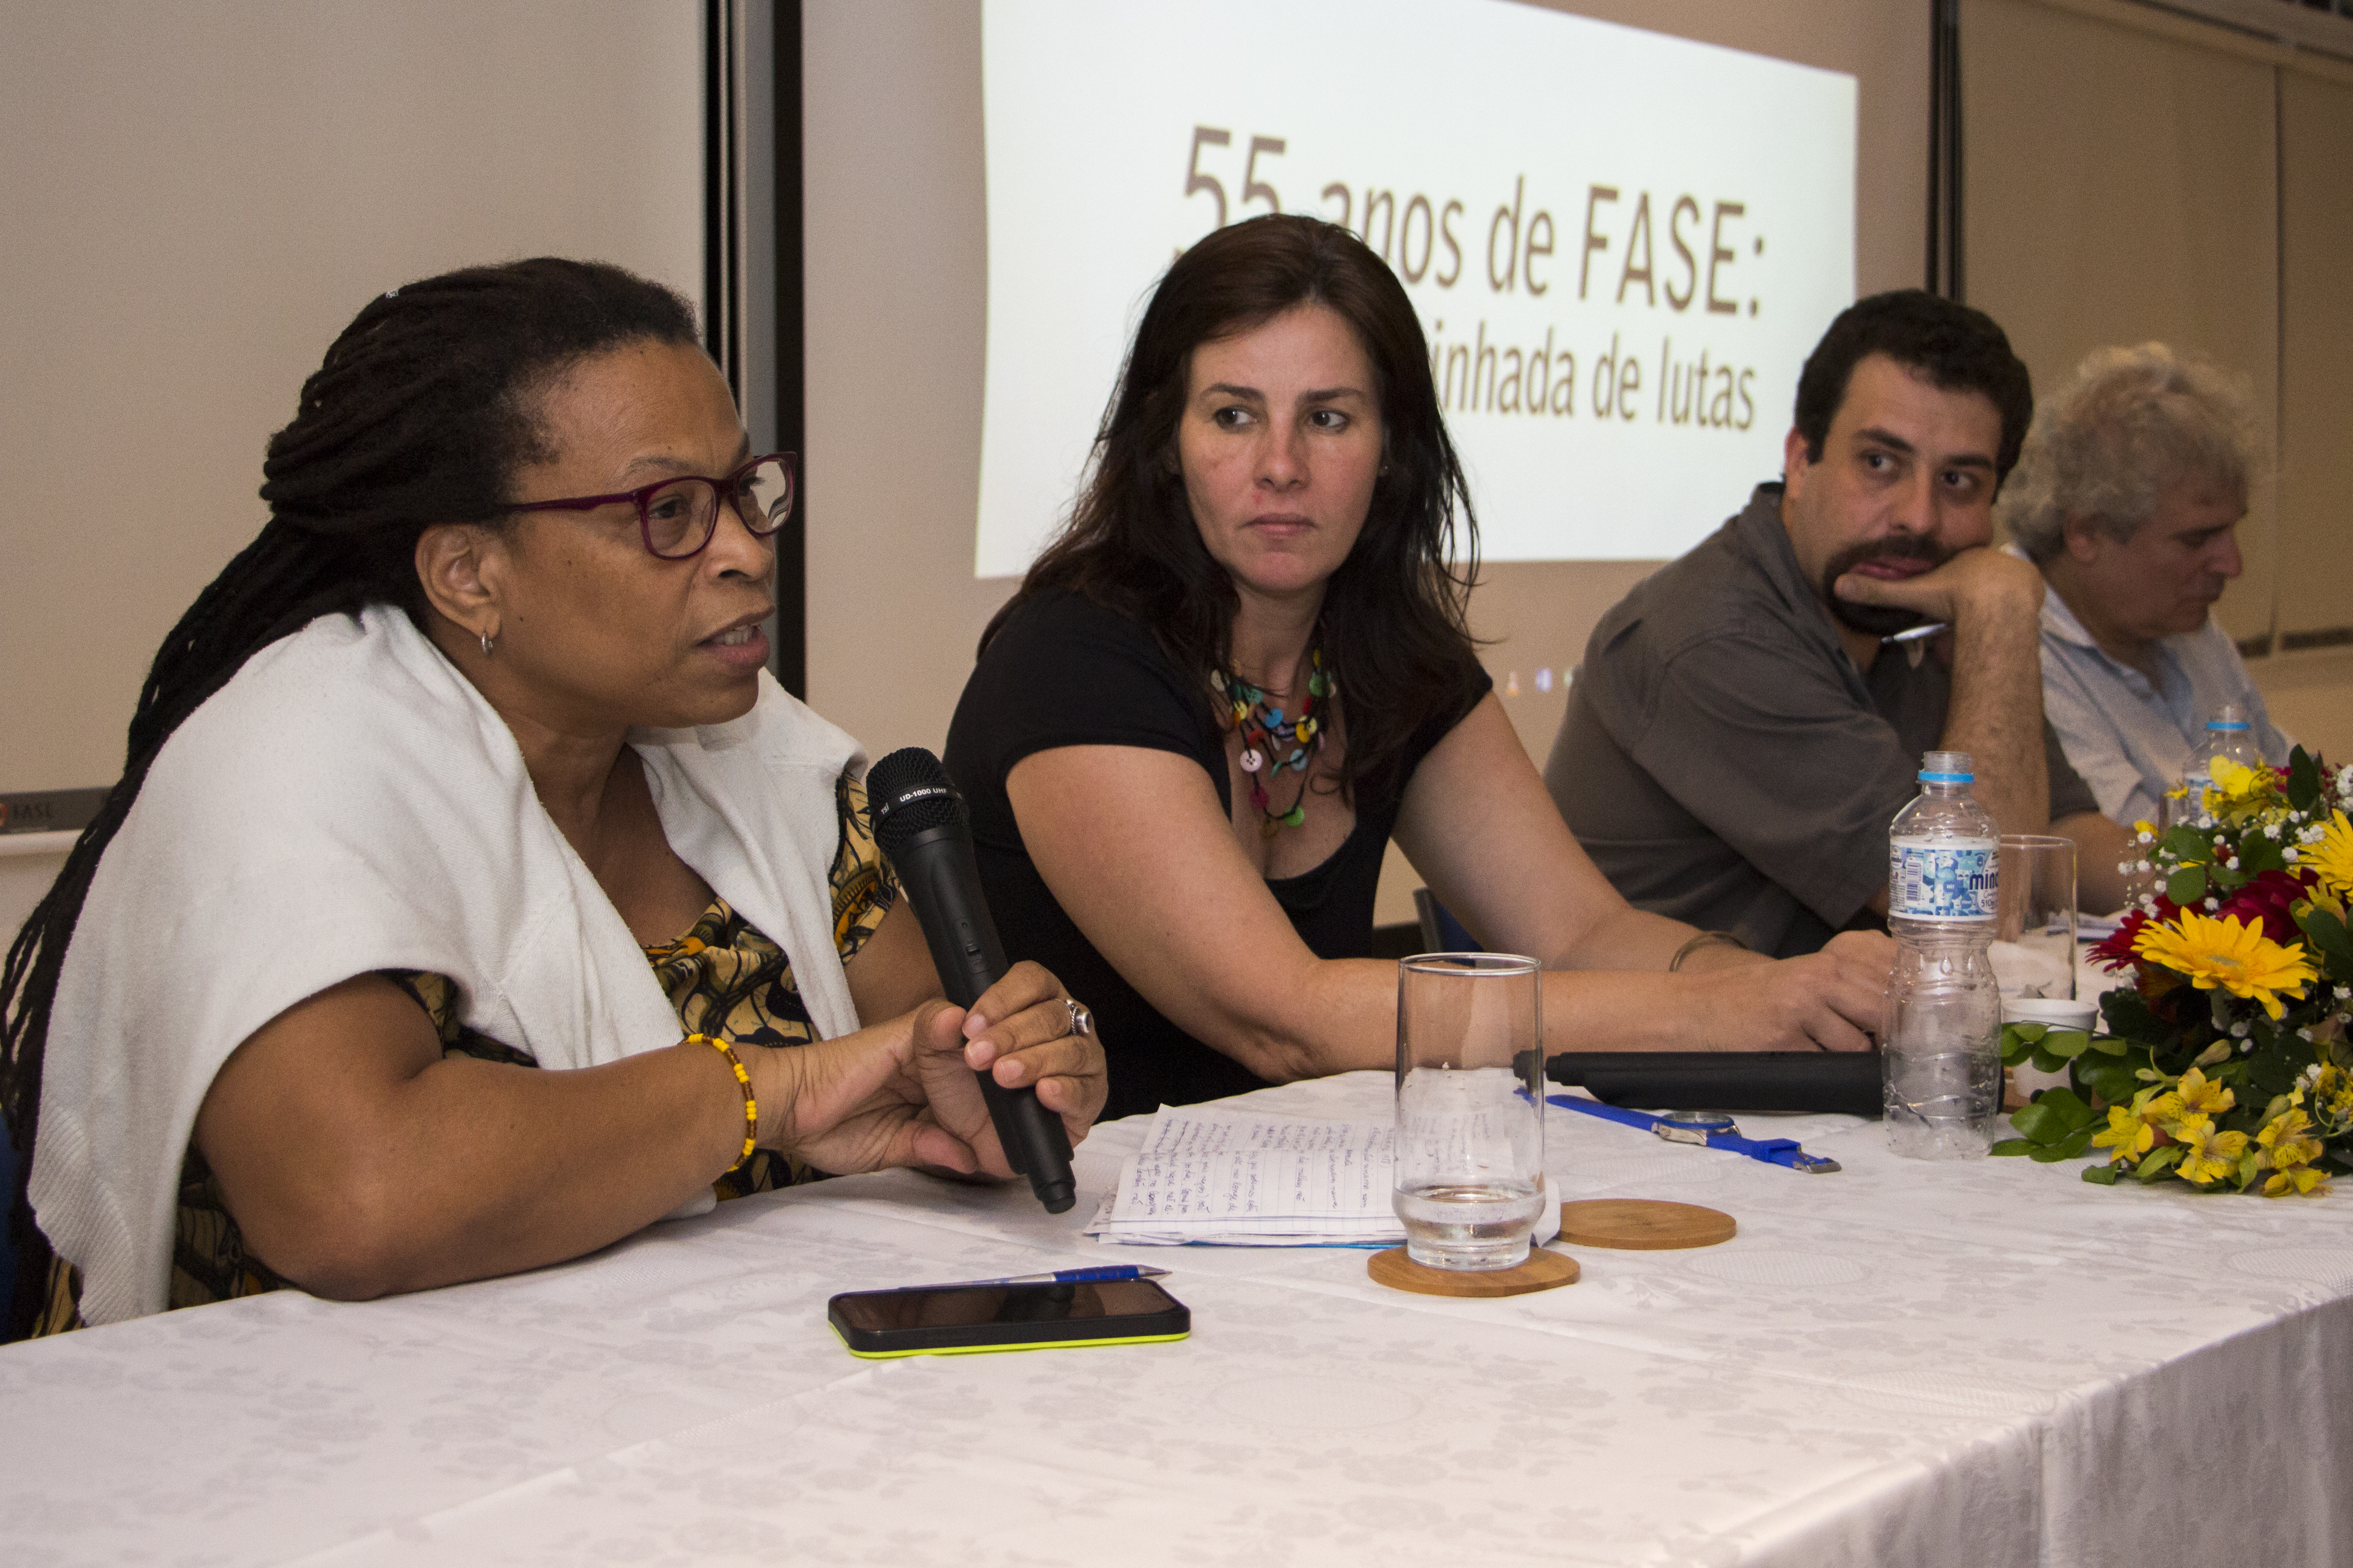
(908, 793)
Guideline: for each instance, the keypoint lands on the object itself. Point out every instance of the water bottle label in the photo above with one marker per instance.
(1942, 878)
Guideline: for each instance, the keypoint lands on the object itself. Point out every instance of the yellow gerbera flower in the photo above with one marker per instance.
(2201, 1096)
(2230, 953)
(2303, 1181)
(2287, 1141)
(2332, 857)
(2127, 1134)
(2206, 1154)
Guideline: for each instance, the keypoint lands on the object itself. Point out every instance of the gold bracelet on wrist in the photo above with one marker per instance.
(751, 1105)
(1702, 939)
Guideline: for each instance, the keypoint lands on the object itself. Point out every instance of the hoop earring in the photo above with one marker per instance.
(487, 645)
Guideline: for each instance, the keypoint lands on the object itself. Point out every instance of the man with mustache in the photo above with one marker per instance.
(1741, 730)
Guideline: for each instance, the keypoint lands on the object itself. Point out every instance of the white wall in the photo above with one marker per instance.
(197, 196)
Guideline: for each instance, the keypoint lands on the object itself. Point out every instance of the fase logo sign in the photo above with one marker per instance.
(1621, 245)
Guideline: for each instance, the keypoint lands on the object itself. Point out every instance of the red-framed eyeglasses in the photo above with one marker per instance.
(677, 517)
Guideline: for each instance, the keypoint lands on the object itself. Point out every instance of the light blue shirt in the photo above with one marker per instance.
(2130, 739)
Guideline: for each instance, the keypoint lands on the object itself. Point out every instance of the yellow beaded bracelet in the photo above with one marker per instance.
(751, 1105)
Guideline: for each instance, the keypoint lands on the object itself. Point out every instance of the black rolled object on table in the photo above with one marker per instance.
(1843, 1081)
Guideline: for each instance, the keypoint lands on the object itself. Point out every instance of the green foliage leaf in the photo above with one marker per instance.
(2187, 886)
(2328, 934)
(2101, 1175)
(2271, 1075)
(2112, 1081)
(2018, 1040)
(2071, 1147)
(2067, 1044)
(2040, 1123)
(2303, 780)
(2108, 1044)
(2071, 1111)
(2010, 1146)
(2130, 1017)
(2045, 1062)
(2258, 854)
(2156, 1164)
(2187, 842)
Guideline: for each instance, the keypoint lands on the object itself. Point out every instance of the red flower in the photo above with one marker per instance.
(2116, 952)
(2268, 898)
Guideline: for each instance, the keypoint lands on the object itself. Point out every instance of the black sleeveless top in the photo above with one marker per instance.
(1066, 671)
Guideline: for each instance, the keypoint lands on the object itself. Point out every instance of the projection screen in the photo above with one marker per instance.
(1622, 243)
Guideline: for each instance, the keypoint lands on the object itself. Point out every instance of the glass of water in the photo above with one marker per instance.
(2034, 949)
(1469, 1108)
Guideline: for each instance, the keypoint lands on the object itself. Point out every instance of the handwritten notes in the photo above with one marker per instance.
(1207, 1175)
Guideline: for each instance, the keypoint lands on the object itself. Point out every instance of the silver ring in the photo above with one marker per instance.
(1082, 1023)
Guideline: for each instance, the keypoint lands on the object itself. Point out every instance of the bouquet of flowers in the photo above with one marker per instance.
(2226, 1064)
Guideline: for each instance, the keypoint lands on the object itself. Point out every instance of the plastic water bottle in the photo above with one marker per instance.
(1941, 1033)
(2227, 735)
(2228, 739)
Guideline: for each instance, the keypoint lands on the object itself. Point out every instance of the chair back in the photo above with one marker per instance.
(1440, 931)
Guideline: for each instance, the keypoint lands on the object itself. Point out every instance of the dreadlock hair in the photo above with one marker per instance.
(1393, 625)
(419, 414)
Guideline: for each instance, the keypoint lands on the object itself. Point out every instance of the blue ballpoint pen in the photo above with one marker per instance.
(1061, 1276)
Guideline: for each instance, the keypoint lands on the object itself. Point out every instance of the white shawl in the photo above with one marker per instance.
(347, 803)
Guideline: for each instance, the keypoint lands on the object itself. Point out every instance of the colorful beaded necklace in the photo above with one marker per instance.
(1267, 731)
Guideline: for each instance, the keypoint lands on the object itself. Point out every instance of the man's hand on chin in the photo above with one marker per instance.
(1978, 584)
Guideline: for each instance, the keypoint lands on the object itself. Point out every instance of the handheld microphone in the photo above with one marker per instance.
(919, 821)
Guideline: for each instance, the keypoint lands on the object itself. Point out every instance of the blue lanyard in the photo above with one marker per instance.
(1783, 1151)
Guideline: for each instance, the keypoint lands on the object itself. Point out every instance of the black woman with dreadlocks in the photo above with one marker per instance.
(473, 897)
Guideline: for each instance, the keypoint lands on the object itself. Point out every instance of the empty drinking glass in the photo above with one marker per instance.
(2034, 949)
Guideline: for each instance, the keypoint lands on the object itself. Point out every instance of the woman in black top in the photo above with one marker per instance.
(1244, 666)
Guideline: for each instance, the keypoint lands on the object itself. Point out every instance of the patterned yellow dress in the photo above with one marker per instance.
(722, 977)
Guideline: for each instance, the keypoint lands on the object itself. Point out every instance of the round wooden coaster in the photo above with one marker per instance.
(1542, 1271)
(1642, 1224)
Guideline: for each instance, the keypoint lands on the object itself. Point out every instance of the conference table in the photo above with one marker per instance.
(1982, 1363)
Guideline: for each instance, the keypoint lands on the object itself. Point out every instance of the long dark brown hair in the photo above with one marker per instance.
(1393, 628)
(420, 413)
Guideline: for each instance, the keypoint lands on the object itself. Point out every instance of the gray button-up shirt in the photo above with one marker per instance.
(1725, 761)
(2130, 739)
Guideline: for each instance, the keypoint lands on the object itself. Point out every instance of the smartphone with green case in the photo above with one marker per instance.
(966, 1320)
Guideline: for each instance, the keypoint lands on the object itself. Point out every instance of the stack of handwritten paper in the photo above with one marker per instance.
(1229, 1178)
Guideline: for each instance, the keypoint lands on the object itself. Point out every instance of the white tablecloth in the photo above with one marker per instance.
(1980, 1363)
